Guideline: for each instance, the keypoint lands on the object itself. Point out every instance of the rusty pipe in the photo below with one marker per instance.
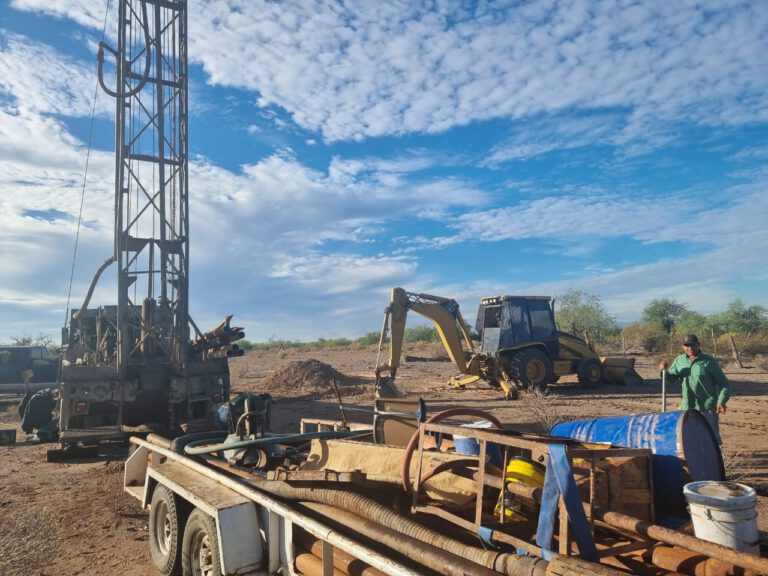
(668, 536)
(342, 561)
(659, 533)
(691, 563)
(432, 557)
(310, 565)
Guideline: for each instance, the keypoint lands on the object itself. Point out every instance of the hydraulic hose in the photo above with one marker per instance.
(202, 446)
(442, 561)
(504, 563)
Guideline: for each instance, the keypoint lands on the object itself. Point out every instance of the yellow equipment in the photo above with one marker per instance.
(520, 345)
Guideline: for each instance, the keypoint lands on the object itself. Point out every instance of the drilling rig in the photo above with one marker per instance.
(135, 363)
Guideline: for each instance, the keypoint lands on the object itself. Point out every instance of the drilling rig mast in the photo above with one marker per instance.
(134, 363)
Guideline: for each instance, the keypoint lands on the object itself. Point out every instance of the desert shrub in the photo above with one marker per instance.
(647, 335)
(369, 339)
(273, 344)
(546, 410)
(245, 344)
(330, 342)
(753, 345)
(421, 334)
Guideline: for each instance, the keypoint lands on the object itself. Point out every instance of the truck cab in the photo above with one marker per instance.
(16, 360)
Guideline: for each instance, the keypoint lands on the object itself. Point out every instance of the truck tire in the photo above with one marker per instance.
(531, 368)
(590, 373)
(165, 532)
(200, 546)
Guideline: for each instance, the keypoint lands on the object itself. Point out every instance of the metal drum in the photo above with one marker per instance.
(683, 446)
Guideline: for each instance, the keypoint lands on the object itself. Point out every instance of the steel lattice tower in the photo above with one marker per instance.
(151, 181)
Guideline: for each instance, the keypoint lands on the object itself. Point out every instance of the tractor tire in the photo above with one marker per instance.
(590, 373)
(165, 532)
(531, 368)
(200, 547)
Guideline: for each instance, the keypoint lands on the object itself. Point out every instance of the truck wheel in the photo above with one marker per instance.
(590, 372)
(531, 368)
(165, 531)
(200, 546)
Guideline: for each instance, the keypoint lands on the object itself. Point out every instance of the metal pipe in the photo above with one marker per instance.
(663, 390)
(312, 526)
(659, 533)
(434, 558)
(310, 565)
(668, 536)
(342, 561)
(691, 563)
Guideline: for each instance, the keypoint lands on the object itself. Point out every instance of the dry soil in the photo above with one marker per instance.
(73, 518)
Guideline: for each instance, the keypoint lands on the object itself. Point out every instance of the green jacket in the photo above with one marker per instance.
(704, 384)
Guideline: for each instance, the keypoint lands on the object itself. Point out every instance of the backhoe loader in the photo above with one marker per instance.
(520, 345)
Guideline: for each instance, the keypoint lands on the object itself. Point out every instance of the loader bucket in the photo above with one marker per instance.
(620, 370)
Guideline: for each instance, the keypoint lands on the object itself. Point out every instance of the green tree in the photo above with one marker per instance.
(577, 311)
(740, 318)
(691, 322)
(664, 312)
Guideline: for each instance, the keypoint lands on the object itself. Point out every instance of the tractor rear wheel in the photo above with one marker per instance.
(590, 373)
(531, 368)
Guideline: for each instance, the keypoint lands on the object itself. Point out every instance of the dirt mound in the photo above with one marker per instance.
(305, 378)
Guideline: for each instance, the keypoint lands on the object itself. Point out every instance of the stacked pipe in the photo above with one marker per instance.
(218, 342)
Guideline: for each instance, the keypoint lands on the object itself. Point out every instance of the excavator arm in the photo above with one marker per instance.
(442, 312)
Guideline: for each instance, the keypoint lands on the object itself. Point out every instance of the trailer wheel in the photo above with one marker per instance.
(200, 546)
(531, 368)
(590, 373)
(165, 532)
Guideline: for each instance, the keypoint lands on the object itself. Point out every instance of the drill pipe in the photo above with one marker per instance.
(310, 565)
(431, 557)
(672, 558)
(668, 536)
(509, 564)
(723, 555)
(342, 561)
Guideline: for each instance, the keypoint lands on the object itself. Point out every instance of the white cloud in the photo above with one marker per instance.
(343, 273)
(42, 81)
(358, 70)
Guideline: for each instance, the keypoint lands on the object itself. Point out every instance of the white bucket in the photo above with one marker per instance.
(724, 513)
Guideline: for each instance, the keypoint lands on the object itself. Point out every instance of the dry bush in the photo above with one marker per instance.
(544, 409)
(28, 541)
(739, 464)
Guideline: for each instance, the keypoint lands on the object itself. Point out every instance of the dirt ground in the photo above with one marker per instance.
(73, 518)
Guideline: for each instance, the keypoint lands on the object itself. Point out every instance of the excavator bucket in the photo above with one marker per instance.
(620, 370)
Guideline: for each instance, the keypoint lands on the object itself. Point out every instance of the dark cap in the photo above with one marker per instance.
(691, 339)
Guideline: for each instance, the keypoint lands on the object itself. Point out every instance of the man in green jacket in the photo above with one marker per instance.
(705, 387)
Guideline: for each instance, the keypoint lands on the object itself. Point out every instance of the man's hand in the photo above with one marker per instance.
(663, 365)
(721, 408)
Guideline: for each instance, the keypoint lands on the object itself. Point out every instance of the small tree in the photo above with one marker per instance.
(739, 318)
(578, 311)
(692, 323)
(664, 312)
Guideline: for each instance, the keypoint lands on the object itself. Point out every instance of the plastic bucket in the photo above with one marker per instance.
(724, 513)
(683, 446)
(523, 471)
(471, 446)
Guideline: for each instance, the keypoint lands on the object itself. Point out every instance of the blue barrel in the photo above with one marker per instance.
(683, 446)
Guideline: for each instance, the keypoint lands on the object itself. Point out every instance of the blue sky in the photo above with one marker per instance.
(459, 148)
